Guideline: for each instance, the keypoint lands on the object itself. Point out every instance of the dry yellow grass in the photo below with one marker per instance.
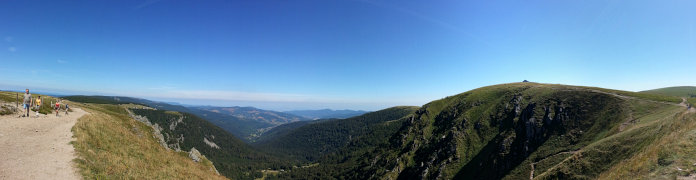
(670, 157)
(111, 145)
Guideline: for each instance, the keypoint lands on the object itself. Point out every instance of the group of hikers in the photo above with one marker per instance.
(29, 103)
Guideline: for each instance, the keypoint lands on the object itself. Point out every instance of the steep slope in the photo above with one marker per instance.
(515, 131)
(521, 130)
(314, 140)
(327, 113)
(111, 145)
(232, 157)
(246, 129)
(283, 130)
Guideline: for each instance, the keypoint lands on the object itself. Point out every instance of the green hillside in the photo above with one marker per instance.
(246, 129)
(327, 113)
(312, 141)
(111, 145)
(680, 91)
(506, 131)
(271, 117)
(232, 157)
(283, 130)
(688, 92)
(520, 131)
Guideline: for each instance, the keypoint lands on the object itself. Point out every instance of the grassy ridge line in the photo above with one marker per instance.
(111, 145)
(642, 95)
(681, 91)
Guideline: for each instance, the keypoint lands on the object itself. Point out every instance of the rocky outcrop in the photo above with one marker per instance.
(498, 142)
(195, 155)
(210, 143)
(173, 125)
(156, 129)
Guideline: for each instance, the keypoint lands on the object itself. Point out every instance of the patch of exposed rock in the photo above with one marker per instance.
(210, 143)
(195, 155)
(156, 129)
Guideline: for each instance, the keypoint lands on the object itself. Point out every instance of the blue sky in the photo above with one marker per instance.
(340, 54)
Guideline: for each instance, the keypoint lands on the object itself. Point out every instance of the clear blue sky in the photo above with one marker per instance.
(355, 54)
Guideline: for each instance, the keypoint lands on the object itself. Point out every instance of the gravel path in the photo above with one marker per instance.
(38, 147)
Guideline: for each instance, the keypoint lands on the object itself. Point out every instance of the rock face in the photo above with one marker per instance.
(469, 137)
(210, 143)
(195, 155)
(156, 129)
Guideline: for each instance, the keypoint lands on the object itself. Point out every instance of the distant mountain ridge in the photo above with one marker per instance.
(506, 131)
(327, 113)
(243, 128)
(267, 116)
(308, 141)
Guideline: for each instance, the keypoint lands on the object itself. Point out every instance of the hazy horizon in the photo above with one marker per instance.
(341, 54)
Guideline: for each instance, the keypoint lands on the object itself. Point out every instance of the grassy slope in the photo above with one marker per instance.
(233, 158)
(601, 155)
(240, 127)
(688, 92)
(471, 123)
(111, 145)
(670, 155)
(680, 91)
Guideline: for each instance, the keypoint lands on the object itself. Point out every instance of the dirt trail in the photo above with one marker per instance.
(688, 110)
(38, 147)
(533, 164)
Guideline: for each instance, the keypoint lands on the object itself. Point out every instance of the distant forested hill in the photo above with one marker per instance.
(313, 140)
(326, 113)
(232, 157)
(270, 117)
(243, 128)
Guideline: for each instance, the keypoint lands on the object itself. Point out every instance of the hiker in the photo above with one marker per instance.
(38, 105)
(66, 108)
(27, 102)
(57, 107)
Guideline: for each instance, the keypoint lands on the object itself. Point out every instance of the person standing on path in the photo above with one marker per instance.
(27, 102)
(38, 105)
(57, 107)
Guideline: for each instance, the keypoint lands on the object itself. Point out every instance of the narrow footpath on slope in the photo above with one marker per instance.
(689, 110)
(38, 147)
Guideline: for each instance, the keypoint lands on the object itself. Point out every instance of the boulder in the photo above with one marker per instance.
(195, 155)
